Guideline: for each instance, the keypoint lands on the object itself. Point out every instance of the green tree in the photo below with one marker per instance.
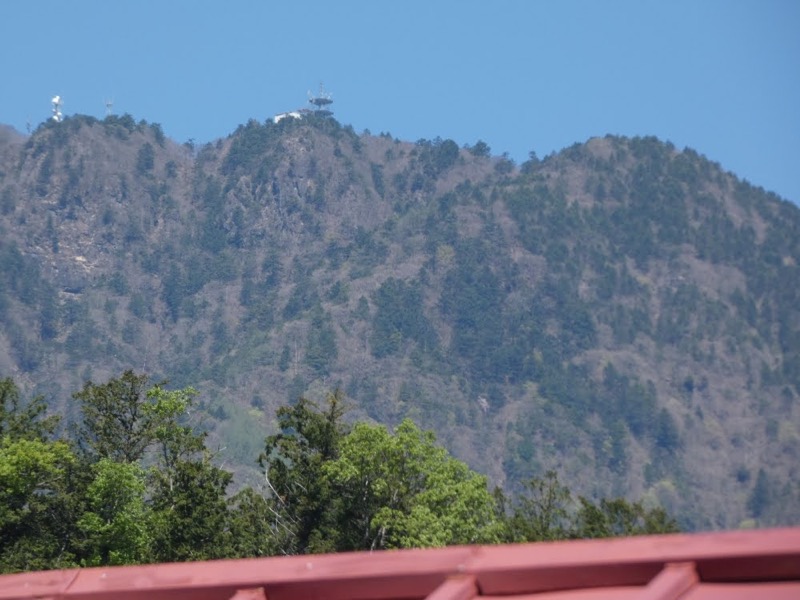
(439, 156)
(667, 437)
(35, 504)
(115, 423)
(175, 439)
(402, 490)
(189, 493)
(541, 512)
(186, 509)
(39, 487)
(321, 343)
(191, 512)
(19, 420)
(145, 159)
(117, 520)
(292, 460)
(399, 316)
(123, 418)
(480, 148)
(254, 527)
(471, 299)
(618, 517)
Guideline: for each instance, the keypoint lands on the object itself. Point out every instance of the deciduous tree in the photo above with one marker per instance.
(117, 521)
(403, 490)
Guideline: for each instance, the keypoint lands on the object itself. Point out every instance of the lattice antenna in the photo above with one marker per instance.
(321, 100)
(109, 103)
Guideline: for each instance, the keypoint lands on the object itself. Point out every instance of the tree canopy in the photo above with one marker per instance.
(401, 490)
(135, 483)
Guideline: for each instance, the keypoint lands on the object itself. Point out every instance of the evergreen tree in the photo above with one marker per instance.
(292, 461)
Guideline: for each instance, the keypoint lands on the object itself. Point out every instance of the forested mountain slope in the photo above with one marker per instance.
(622, 312)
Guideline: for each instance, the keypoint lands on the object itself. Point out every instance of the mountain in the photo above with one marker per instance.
(622, 312)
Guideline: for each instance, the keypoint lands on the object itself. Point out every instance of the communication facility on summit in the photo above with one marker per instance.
(321, 101)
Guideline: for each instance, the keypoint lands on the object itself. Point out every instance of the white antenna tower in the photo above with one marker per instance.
(109, 107)
(57, 116)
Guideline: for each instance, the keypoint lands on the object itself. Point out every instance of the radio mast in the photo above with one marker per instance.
(321, 101)
(57, 102)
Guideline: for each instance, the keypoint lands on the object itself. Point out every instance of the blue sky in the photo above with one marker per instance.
(722, 77)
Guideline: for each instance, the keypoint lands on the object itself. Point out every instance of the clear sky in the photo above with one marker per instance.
(719, 76)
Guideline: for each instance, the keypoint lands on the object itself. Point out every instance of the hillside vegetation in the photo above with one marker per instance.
(622, 312)
(135, 482)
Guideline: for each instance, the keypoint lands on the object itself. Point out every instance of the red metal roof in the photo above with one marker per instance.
(738, 564)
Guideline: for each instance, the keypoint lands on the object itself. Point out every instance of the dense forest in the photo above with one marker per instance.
(134, 482)
(622, 312)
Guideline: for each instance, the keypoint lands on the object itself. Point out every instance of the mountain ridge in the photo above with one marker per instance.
(621, 311)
